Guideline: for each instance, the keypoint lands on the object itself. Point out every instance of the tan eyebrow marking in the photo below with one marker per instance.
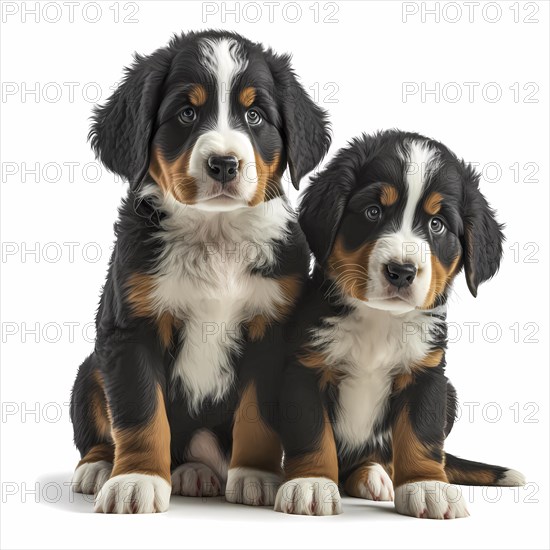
(247, 96)
(388, 195)
(432, 204)
(198, 95)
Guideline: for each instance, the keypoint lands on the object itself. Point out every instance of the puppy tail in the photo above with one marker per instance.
(468, 472)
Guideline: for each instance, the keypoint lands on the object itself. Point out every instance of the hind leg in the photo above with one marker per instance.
(370, 481)
(92, 430)
(419, 414)
(193, 479)
(204, 473)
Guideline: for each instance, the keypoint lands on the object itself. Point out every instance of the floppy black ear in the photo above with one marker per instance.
(305, 125)
(483, 238)
(122, 129)
(323, 204)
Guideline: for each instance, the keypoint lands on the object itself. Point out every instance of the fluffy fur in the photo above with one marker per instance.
(208, 263)
(391, 220)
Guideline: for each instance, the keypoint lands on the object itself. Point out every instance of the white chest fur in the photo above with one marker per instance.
(204, 279)
(370, 347)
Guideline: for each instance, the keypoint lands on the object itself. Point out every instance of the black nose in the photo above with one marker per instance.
(400, 275)
(222, 169)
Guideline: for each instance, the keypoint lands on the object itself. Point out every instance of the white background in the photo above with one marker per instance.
(357, 67)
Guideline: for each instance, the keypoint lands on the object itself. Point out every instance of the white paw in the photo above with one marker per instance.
(376, 485)
(89, 477)
(133, 494)
(193, 479)
(251, 486)
(310, 496)
(430, 499)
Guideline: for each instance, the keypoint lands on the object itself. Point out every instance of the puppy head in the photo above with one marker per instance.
(395, 216)
(213, 119)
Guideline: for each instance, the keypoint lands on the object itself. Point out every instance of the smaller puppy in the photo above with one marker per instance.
(391, 221)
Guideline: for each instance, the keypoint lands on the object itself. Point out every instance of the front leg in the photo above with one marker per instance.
(311, 462)
(418, 430)
(133, 379)
(255, 469)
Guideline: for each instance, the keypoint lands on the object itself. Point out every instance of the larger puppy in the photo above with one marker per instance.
(207, 264)
(392, 220)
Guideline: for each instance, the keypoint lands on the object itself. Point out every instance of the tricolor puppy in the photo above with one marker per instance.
(207, 265)
(391, 221)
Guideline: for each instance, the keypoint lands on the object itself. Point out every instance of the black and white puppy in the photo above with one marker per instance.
(391, 220)
(207, 264)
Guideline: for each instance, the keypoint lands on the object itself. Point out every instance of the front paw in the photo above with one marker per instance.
(310, 496)
(251, 486)
(430, 499)
(193, 479)
(133, 494)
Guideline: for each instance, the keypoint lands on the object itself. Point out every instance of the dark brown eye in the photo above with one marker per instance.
(253, 117)
(373, 213)
(188, 115)
(436, 226)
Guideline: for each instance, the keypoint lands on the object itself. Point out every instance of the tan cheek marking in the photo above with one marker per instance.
(198, 95)
(349, 268)
(411, 458)
(432, 204)
(269, 176)
(173, 178)
(255, 444)
(388, 195)
(145, 449)
(441, 277)
(139, 294)
(247, 96)
(322, 462)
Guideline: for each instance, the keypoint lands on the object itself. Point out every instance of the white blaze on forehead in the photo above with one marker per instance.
(404, 245)
(420, 162)
(225, 59)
